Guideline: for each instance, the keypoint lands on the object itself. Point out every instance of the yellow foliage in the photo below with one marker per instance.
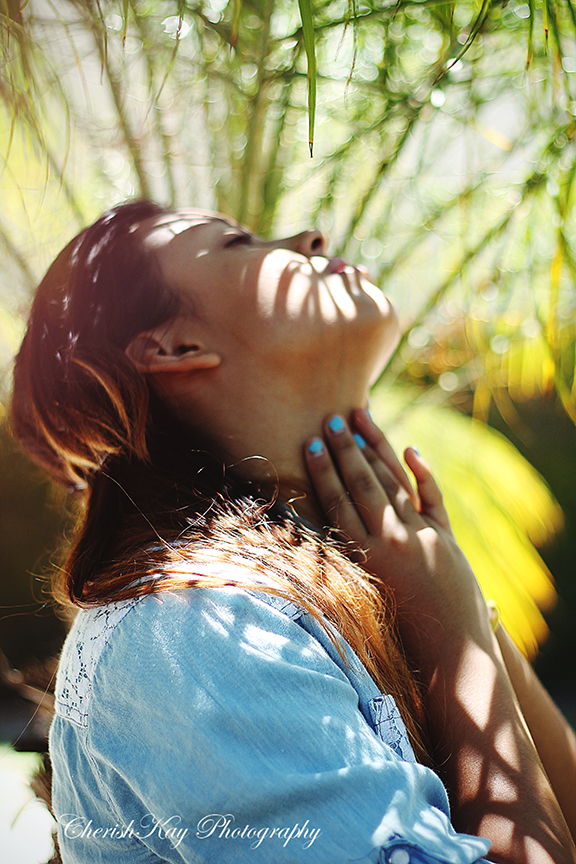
(500, 508)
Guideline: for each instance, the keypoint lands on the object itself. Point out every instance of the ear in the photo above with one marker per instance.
(174, 347)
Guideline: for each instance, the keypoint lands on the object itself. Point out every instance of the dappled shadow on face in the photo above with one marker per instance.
(278, 294)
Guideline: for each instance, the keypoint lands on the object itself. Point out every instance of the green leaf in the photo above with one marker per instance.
(237, 8)
(474, 31)
(125, 8)
(531, 7)
(444, 14)
(307, 16)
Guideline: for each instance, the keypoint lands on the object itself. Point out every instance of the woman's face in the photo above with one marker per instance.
(283, 303)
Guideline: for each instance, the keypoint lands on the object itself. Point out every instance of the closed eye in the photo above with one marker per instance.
(238, 239)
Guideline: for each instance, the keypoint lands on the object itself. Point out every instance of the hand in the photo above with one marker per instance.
(483, 750)
(405, 540)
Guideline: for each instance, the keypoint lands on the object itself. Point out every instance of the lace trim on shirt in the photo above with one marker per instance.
(389, 726)
(90, 634)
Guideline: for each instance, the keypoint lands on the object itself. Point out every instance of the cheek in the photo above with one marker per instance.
(282, 286)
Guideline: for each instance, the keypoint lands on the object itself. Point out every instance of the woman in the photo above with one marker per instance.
(232, 689)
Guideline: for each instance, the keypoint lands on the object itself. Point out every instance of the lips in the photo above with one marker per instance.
(336, 265)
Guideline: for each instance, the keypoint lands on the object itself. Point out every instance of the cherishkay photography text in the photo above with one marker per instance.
(218, 826)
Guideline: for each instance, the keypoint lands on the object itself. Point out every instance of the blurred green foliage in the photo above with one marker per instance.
(32, 520)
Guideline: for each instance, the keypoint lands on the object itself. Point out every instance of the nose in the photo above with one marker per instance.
(309, 243)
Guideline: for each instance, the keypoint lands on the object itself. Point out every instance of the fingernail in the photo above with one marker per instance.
(359, 440)
(417, 451)
(315, 447)
(336, 425)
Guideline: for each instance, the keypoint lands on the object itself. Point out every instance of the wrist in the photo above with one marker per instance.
(438, 636)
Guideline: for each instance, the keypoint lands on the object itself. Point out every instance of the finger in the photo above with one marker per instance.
(432, 503)
(376, 439)
(373, 494)
(331, 494)
(400, 498)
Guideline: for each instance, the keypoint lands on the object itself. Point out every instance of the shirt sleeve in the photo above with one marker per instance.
(221, 731)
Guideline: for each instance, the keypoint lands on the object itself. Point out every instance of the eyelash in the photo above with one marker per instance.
(239, 239)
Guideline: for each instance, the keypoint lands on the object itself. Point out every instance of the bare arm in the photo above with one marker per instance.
(554, 739)
(496, 782)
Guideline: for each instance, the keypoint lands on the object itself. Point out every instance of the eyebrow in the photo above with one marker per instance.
(229, 224)
(240, 232)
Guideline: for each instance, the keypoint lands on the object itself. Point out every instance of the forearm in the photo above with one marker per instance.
(497, 786)
(554, 739)
(481, 743)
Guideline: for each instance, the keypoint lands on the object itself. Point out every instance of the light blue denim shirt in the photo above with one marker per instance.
(220, 725)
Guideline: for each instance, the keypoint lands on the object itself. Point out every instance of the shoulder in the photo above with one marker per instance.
(195, 633)
(90, 633)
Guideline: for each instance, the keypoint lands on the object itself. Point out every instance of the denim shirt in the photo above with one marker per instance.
(222, 725)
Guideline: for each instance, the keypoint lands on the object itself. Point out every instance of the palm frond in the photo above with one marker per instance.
(500, 508)
(307, 15)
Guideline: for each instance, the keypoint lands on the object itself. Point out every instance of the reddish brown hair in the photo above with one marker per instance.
(153, 505)
(76, 398)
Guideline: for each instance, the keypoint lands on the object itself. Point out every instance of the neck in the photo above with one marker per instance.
(268, 448)
(258, 426)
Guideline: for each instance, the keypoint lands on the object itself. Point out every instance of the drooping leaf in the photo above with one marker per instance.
(237, 9)
(474, 31)
(125, 8)
(307, 16)
(532, 11)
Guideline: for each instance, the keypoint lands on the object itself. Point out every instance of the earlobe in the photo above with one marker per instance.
(171, 349)
(188, 360)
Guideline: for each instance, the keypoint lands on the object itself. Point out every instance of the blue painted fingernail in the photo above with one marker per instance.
(359, 440)
(315, 447)
(336, 424)
(417, 451)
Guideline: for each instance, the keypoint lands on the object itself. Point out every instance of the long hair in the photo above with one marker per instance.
(158, 513)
